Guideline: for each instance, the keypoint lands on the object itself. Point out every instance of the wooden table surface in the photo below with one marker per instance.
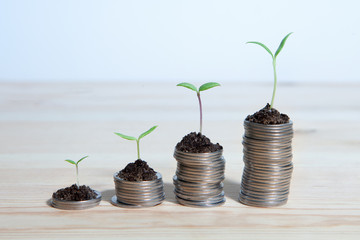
(42, 124)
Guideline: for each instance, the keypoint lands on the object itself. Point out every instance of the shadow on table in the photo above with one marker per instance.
(107, 195)
(169, 192)
(49, 203)
(232, 189)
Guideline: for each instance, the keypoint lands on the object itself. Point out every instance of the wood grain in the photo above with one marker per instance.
(41, 124)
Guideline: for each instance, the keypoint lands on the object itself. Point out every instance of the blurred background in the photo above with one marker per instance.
(188, 40)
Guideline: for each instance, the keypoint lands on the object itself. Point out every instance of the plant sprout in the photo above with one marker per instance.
(77, 169)
(274, 62)
(137, 139)
(203, 87)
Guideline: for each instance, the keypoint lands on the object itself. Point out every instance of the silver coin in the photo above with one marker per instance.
(135, 188)
(266, 182)
(138, 183)
(200, 204)
(265, 190)
(208, 193)
(269, 143)
(271, 172)
(250, 130)
(116, 203)
(251, 197)
(275, 126)
(139, 201)
(274, 194)
(195, 184)
(268, 154)
(191, 175)
(268, 149)
(270, 138)
(200, 168)
(155, 192)
(267, 160)
(268, 175)
(263, 133)
(197, 197)
(265, 203)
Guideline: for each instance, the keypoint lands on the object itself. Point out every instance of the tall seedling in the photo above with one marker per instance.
(273, 56)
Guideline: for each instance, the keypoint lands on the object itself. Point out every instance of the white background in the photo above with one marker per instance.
(188, 40)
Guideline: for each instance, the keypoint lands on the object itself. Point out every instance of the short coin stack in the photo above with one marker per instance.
(268, 164)
(76, 205)
(138, 193)
(198, 179)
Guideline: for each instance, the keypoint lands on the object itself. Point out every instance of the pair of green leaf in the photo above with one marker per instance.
(134, 138)
(75, 163)
(137, 139)
(278, 49)
(203, 87)
(77, 169)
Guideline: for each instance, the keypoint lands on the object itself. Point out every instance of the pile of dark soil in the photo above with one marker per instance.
(197, 143)
(268, 116)
(137, 171)
(73, 193)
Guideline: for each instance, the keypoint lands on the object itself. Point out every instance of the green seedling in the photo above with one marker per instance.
(203, 87)
(273, 62)
(137, 139)
(77, 169)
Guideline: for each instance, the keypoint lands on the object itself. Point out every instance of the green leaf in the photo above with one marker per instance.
(208, 85)
(70, 161)
(81, 159)
(147, 132)
(188, 85)
(282, 44)
(126, 137)
(265, 47)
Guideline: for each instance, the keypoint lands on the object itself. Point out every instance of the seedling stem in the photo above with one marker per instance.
(198, 95)
(275, 83)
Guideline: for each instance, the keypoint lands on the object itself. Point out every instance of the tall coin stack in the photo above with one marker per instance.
(138, 193)
(198, 179)
(268, 164)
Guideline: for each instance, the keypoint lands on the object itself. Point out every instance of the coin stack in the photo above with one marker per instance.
(76, 205)
(268, 164)
(198, 179)
(138, 193)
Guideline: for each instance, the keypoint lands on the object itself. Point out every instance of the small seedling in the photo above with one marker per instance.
(203, 87)
(137, 139)
(77, 169)
(273, 62)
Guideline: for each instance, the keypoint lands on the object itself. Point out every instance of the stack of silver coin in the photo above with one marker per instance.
(268, 164)
(198, 179)
(76, 205)
(138, 193)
